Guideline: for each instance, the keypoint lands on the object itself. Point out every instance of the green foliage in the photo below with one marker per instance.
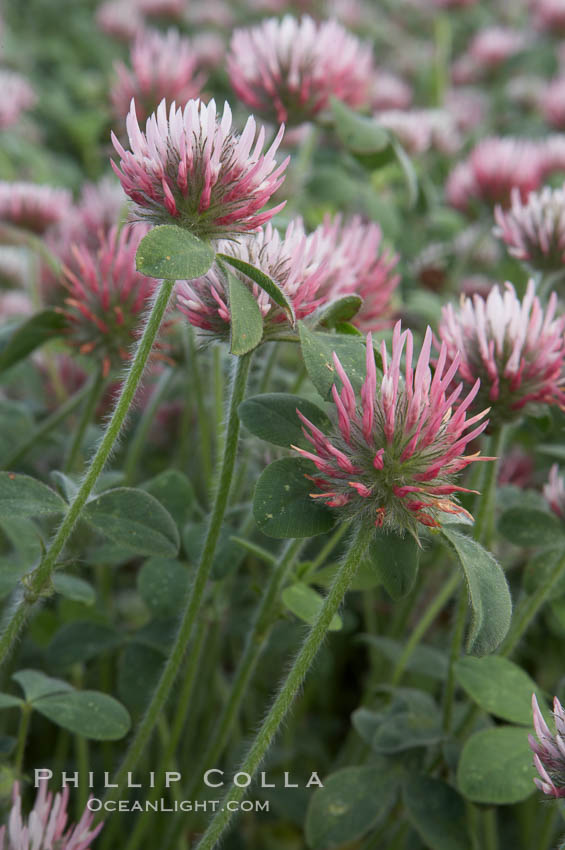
(163, 585)
(317, 351)
(395, 559)
(264, 281)
(306, 603)
(533, 528)
(246, 320)
(282, 505)
(496, 766)
(272, 417)
(171, 253)
(499, 686)
(437, 812)
(20, 339)
(491, 605)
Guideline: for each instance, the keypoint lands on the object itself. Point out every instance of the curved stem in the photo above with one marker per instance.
(86, 417)
(291, 685)
(139, 438)
(192, 609)
(254, 645)
(423, 624)
(40, 579)
(48, 424)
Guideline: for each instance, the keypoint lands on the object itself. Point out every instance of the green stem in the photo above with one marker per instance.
(38, 582)
(548, 827)
(483, 530)
(184, 702)
(140, 437)
(48, 424)
(22, 738)
(184, 633)
(268, 370)
(529, 608)
(205, 450)
(455, 652)
(424, 623)
(442, 39)
(291, 685)
(254, 646)
(85, 419)
(219, 393)
(490, 828)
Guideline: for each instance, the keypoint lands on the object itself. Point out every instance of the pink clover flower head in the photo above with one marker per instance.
(514, 347)
(494, 167)
(45, 826)
(16, 96)
(174, 9)
(493, 46)
(421, 130)
(388, 91)
(453, 4)
(163, 66)
(287, 70)
(395, 447)
(106, 296)
(554, 492)
(191, 169)
(296, 262)
(32, 206)
(120, 19)
(549, 750)
(534, 230)
(357, 264)
(549, 15)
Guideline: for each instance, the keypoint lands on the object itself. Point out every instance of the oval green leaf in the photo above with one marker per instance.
(491, 604)
(36, 684)
(80, 641)
(531, 528)
(498, 686)
(88, 713)
(337, 312)
(305, 603)
(134, 519)
(172, 253)
(282, 505)
(272, 417)
(265, 282)
(23, 496)
(29, 335)
(246, 320)
(496, 766)
(352, 802)
(437, 813)
(72, 587)
(318, 349)
(163, 586)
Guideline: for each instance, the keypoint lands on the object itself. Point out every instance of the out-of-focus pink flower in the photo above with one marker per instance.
(296, 263)
(209, 49)
(356, 264)
(553, 154)
(489, 49)
(421, 130)
(32, 206)
(534, 230)
(526, 90)
(191, 169)
(476, 284)
(453, 4)
(513, 346)
(549, 15)
(106, 297)
(210, 13)
(288, 69)
(163, 67)
(552, 102)
(494, 168)
(468, 106)
(554, 492)
(13, 303)
(45, 826)
(516, 469)
(388, 91)
(173, 9)
(16, 96)
(549, 750)
(392, 454)
(120, 19)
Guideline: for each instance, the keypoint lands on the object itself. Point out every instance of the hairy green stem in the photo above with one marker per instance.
(158, 700)
(140, 437)
(291, 685)
(48, 424)
(205, 448)
(39, 581)
(86, 416)
(454, 653)
(254, 645)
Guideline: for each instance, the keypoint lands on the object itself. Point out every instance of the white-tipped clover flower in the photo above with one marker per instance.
(549, 750)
